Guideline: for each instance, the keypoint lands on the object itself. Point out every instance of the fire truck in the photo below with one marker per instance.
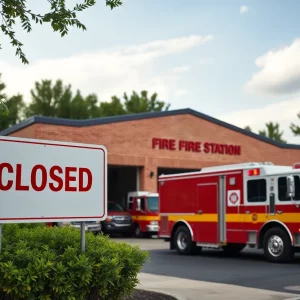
(233, 206)
(143, 206)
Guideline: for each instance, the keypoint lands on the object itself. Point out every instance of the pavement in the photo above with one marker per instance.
(186, 289)
(211, 276)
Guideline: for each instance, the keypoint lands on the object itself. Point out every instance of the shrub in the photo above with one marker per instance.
(30, 225)
(46, 263)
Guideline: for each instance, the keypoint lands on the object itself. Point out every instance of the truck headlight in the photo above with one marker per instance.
(154, 223)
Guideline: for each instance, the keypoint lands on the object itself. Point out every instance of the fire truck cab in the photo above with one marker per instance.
(143, 206)
(230, 207)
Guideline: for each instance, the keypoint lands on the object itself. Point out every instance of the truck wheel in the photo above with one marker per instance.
(137, 231)
(183, 241)
(277, 246)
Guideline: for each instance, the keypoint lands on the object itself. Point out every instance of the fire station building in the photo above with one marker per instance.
(143, 146)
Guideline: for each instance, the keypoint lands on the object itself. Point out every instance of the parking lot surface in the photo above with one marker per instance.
(249, 269)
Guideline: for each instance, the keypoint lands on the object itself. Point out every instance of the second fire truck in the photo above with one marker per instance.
(231, 207)
(143, 206)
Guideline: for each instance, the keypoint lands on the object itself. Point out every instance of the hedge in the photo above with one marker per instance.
(39, 262)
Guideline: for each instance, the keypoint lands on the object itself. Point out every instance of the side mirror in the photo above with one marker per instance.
(138, 204)
(291, 186)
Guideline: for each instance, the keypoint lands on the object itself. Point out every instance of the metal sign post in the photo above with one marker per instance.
(82, 237)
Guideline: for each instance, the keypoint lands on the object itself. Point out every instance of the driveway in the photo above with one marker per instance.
(249, 269)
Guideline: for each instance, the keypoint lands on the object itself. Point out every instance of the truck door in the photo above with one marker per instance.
(283, 202)
(259, 196)
(207, 208)
(139, 209)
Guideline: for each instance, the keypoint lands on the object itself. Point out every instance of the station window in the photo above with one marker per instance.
(282, 189)
(257, 190)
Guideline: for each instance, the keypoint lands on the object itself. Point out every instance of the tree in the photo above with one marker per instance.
(3, 107)
(59, 16)
(139, 104)
(248, 128)
(56, 100)
(14, 105)
(273, 132)
(45, 97)
(132, 105)
(84, 108)
(15, 112)
(112, 108)
(295, 129)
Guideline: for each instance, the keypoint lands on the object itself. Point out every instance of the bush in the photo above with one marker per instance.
(46, 263)
(30, 225)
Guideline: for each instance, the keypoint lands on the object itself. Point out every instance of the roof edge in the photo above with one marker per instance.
(21, 125)
(141, 116)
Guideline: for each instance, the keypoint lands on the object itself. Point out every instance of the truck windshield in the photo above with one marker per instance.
(152, 203)
(114, 207)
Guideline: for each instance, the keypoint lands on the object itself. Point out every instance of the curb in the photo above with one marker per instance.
(177, 297)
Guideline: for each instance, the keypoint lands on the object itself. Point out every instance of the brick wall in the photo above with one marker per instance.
(130, 143)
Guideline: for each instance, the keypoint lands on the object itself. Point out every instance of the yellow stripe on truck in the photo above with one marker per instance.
(194, 218)
(284, 217)
(236, 218)
(145, 218)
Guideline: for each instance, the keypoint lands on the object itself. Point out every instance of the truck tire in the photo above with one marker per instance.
(137, 231)
(183, 241)
(277, 246)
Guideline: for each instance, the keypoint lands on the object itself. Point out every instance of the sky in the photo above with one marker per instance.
(238, 61)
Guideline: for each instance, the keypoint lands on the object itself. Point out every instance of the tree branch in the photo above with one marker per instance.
(59, 17)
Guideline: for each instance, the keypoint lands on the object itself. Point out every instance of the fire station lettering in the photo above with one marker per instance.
(55, 178)
(195, 146)
(233, 198)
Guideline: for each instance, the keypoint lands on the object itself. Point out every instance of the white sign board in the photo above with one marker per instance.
(47, 181)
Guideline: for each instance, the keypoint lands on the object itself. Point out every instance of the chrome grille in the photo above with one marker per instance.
(122, 220)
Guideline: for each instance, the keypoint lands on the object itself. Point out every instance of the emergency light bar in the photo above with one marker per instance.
(254, 172)
(296, 165)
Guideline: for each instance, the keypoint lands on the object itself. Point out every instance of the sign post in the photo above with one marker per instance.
(49, 181)
(82, 237)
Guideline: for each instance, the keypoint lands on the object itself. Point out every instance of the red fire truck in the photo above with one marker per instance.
(231, 207)
(143, 206)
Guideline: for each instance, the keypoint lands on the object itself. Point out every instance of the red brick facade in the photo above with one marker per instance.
(130, 143)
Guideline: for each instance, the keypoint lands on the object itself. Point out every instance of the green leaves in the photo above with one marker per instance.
(39, 262)
(54, 99)
(142, 103)
(59, 17)
(295, 128)
(113, 3)
(273, 132)
(3, 108)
